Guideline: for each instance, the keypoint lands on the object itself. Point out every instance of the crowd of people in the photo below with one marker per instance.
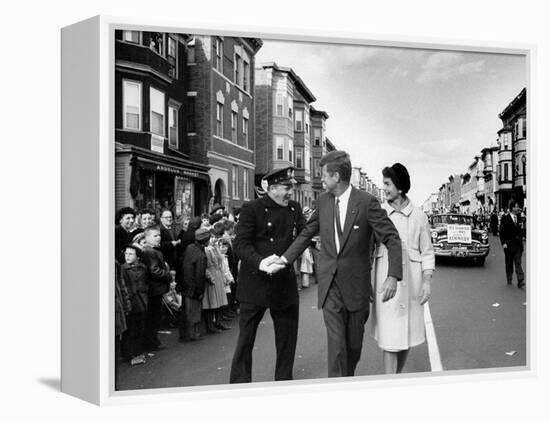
(187, 273)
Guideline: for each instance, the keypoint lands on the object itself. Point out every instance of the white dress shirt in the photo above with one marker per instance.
(343, 206)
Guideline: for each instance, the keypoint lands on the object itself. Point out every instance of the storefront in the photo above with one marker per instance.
(147, 180)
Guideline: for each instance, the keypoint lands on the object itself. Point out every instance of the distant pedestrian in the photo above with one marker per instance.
(511, 237)
(214, 295)
(494, 222)
(169, 243)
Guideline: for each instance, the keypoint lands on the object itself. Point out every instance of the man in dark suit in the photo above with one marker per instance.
(511, 237)
(169, 244)
(267, 226)
(348, 220)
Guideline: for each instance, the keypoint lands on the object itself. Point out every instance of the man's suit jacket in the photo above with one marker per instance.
(170, 252)
(365, 221)
(511, 234)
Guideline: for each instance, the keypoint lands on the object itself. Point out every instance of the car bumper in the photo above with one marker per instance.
(482, 252)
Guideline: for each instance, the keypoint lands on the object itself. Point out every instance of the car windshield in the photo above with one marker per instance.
(441, 220)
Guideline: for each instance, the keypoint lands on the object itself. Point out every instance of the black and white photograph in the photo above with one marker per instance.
(292, 210)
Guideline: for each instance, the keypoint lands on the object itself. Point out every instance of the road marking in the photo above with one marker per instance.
(433, 349)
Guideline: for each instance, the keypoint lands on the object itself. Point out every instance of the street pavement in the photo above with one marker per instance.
(479, 321)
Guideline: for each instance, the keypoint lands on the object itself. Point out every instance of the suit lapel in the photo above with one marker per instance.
(351, 214)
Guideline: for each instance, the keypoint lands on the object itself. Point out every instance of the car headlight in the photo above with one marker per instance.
(434, 235)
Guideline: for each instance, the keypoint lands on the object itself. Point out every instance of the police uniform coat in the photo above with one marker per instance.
(266, 228)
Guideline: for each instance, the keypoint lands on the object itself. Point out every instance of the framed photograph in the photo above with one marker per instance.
(289, 210)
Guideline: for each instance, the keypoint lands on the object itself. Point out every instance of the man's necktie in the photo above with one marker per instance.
(338, 223)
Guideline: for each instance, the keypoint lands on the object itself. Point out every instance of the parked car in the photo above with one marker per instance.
(455, 235)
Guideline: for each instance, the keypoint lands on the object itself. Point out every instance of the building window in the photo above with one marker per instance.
(317, 137)
(156, 43)
(245, 183)
(506, 141)
(280, 105)
(157, 111)
(234, 181)
(234, 118)
(307, 160)
(131, 93)
(299, 158)
(219, 119)
(246, 76)
(280, 148)
(190, 55)
(173, 110)
(191, 114)
(299, 120)
(245, 131)
(307, 128)
(316, 168)
(132, 36)
(173, 57)
(218, 58)
(238, 63)
(290, 154)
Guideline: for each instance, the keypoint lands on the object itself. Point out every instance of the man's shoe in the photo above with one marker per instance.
(509, 281)
(521, 284)
(222, 326)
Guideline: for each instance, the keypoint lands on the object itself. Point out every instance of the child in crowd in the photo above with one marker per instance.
(135, 276)
(223, 246)
(214, 296)
(191, 281)
(159, 282)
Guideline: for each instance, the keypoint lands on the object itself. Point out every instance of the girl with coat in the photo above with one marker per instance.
(398, 324)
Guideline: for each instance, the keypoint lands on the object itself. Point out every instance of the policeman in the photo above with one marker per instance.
(267, 227)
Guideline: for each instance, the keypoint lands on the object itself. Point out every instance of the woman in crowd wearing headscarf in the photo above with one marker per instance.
(398, 324)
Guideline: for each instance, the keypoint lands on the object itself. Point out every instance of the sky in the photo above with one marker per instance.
(431, 110)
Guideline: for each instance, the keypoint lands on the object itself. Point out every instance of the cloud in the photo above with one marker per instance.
(444, 66)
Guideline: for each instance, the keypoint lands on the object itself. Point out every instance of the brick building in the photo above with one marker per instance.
(283, 126)
(318, 148)
(221, 118)
(512, 169)
(156, 164)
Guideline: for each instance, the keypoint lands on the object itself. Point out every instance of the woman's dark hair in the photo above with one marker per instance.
(337, 161)
(194, 223)
(147, 211)
(399, 176)
(227, 225)
(217, 229)
(124, 211)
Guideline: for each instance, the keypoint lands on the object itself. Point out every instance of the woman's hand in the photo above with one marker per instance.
(425, 290)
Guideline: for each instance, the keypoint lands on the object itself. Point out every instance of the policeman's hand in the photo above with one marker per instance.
(269, 265)
(504, 246)
(388, 289)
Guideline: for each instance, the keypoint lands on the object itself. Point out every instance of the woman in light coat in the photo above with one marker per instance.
(398, 324)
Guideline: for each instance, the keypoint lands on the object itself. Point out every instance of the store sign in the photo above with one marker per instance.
(459, 233)
(176, 171)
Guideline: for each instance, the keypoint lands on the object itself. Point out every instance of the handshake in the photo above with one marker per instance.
(272, 264)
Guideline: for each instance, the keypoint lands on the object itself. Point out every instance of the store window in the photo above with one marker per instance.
(157, 111)
(131, 94)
